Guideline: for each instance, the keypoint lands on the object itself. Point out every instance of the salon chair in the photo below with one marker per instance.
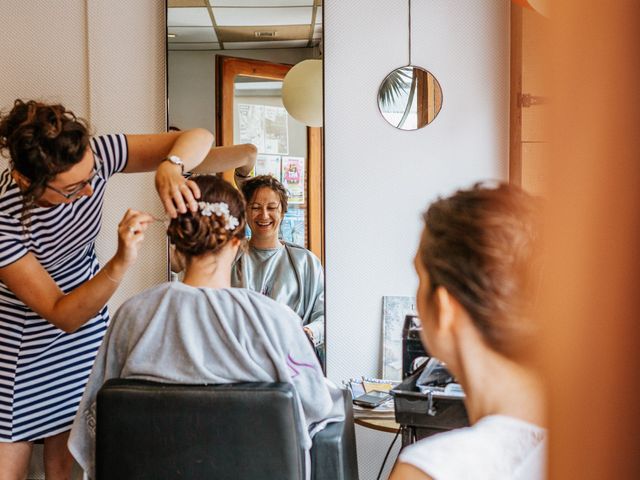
(148, 430)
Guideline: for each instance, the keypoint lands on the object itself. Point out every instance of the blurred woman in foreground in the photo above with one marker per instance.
(475, 265)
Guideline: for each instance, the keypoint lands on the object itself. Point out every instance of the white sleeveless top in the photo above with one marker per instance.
(496, 447)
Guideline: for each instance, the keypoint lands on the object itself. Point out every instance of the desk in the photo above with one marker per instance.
(381, 424)
(450, 414)
(408, 434)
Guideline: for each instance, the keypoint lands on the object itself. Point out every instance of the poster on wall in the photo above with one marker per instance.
(394, 309)
(292, 227)
(264, 126)
(293, 178)
(269, 165)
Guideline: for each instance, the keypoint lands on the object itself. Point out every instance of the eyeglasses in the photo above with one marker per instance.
(71, 194)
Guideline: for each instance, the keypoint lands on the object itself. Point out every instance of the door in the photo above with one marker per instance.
(249, 110)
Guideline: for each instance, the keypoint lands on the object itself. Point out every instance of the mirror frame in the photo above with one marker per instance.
(426, 109)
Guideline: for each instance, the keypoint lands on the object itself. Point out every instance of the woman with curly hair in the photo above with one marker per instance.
(53, 293)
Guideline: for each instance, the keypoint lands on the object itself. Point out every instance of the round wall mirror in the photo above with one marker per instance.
(410, 98)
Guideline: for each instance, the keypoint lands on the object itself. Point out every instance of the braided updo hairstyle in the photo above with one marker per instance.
(42, 141)
(194, 234)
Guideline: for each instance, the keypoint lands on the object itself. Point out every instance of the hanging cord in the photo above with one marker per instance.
(409, 32)
(388, 452)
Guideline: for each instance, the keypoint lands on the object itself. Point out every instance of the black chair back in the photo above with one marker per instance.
(147, 430)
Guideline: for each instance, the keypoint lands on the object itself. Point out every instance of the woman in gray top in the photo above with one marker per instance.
(203, 331)
(283, 271)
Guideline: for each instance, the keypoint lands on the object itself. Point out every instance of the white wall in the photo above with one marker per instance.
(105, 60)
(379, 179)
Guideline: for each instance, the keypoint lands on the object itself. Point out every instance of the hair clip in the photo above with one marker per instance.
(220, 209)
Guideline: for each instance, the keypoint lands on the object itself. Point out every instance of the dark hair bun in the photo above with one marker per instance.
(195, 234)
(42, 141)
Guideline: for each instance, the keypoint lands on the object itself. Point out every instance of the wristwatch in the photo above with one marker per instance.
(176, 160)
(238, 174)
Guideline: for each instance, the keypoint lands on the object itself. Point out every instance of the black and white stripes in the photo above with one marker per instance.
(43, 370)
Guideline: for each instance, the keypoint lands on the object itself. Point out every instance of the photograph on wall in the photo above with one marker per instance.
(269, 165)
(293, 178)
(394, 309)
(264, 126)
(292, 227)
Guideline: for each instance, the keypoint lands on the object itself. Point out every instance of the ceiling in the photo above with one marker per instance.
(243, 24)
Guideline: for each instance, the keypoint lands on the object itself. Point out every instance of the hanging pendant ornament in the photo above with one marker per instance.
(410, 97)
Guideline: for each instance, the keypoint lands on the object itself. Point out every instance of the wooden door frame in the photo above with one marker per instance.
(227, 68)
(515, 108)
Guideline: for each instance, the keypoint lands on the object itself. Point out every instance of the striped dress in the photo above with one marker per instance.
(43, 370)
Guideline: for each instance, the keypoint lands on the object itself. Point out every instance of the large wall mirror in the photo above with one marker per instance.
(226, 60)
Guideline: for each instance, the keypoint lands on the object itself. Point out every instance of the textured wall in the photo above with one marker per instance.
(127, 94)
(105, 60)
(379, 179)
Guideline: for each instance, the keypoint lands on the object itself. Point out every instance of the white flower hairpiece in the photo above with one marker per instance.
(220, 209)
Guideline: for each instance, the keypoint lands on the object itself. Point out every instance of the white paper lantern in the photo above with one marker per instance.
(302, 92)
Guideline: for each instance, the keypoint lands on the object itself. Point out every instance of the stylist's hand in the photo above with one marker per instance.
(176, 193)
(130, 236)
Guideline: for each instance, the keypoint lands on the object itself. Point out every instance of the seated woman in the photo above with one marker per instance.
(203, 331)
(475, 266)
(286, 272)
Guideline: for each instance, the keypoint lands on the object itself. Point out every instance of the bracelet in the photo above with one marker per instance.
(110, 277)
(238, 174)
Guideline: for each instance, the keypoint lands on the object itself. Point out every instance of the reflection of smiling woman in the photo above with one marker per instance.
(288, 273)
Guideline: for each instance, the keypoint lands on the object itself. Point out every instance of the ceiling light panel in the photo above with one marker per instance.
(188, 17)
(261, 3)
(262, 16)
(193, 34)
(276, 44)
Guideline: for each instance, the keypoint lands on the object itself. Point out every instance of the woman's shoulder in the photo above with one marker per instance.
(300, 252)
(111, 151)
(259, 300)
(148, 295)
(496, 444)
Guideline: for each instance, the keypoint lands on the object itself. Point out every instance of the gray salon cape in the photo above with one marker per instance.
(174, 333)
(289, 274)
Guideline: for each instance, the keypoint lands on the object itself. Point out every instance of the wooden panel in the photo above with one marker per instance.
(590, 320)
(535, 35)
(515, 112)
(316, 192)
(530, 33)
(534, 167)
